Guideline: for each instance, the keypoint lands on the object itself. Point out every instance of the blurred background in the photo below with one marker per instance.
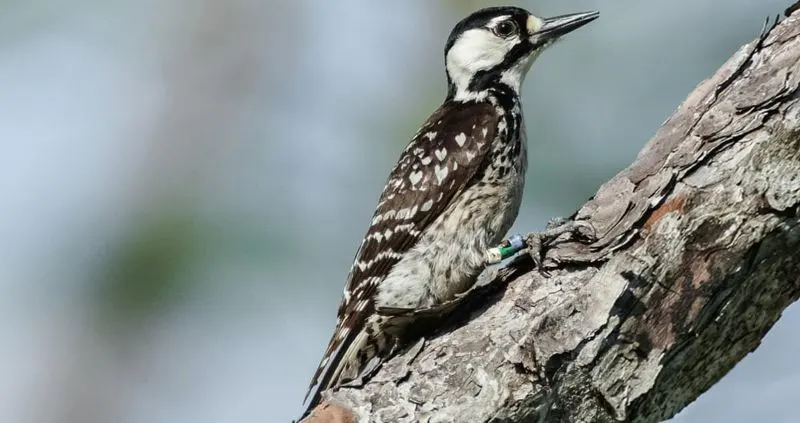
(184, 184)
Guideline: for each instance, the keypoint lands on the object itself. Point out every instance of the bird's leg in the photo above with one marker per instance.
(556, 227)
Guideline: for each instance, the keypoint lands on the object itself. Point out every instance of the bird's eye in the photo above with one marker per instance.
(505, 29)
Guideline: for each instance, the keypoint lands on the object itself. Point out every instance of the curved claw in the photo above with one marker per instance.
(579, 227)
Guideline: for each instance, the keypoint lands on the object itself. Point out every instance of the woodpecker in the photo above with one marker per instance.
(454, 192)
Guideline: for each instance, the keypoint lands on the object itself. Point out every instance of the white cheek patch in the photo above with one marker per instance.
(476, 50)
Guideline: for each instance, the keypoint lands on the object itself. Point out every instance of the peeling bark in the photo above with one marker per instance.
(694, 260)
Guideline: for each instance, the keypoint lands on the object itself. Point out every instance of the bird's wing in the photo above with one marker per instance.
(437, 164)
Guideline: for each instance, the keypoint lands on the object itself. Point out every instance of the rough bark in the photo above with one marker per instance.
(694, 260)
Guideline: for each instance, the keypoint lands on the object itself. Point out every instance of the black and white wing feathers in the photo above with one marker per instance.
(436, 166)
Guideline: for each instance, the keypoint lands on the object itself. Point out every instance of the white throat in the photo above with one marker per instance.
(515, 76)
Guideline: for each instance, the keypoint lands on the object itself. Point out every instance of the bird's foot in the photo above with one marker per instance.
(555, 231)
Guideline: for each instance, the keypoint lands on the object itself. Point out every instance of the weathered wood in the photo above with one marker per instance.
(696, 257)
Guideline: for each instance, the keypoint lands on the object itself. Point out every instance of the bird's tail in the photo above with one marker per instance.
(342, 352)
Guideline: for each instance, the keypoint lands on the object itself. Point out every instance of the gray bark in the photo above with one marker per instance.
(693, 261)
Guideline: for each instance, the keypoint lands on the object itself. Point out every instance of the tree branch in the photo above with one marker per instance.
(696, 258)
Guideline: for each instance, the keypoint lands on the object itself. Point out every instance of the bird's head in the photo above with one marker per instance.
(496, 46)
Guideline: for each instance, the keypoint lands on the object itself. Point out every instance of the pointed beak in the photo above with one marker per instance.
(553, 28)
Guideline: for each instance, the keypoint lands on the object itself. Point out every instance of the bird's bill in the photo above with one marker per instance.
(559, 25)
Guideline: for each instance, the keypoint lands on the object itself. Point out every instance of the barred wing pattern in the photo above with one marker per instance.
(440, 161)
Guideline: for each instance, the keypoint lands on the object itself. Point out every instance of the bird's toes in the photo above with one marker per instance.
(581, 228)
